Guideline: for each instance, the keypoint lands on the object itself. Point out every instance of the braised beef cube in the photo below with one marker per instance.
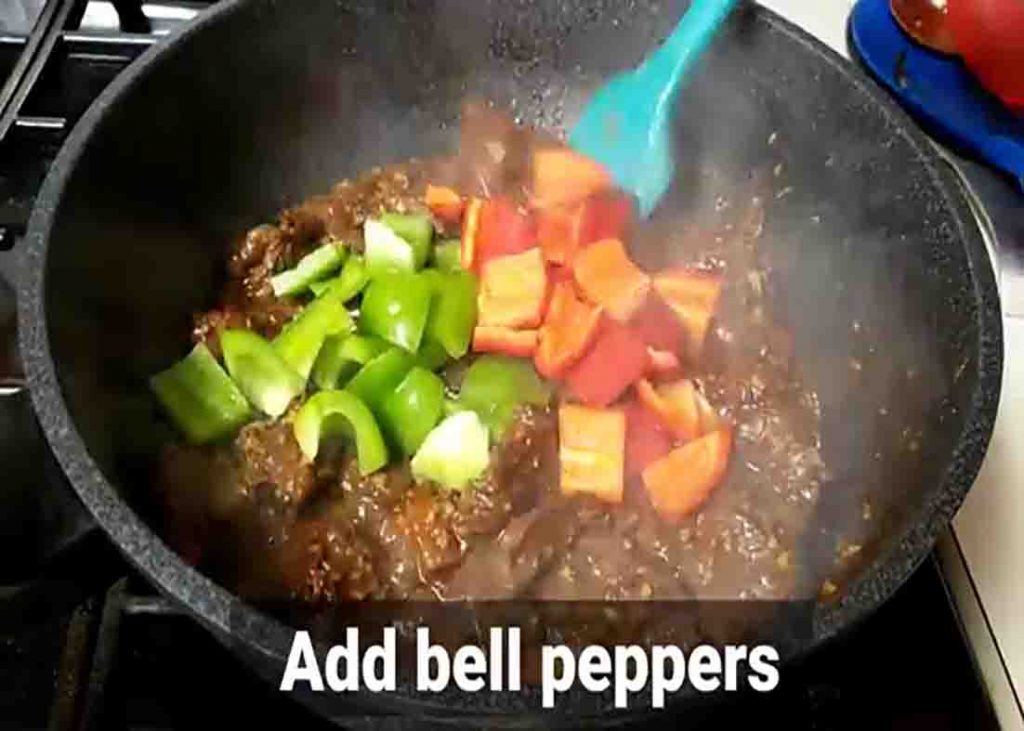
(207, 326)
(327, 561)
(270, 457)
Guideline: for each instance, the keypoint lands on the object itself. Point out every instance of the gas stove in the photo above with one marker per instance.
(87, 644)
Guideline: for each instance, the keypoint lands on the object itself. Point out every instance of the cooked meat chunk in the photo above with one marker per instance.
(269, 456)
(207, 326)
(327, 561)
(523, 468)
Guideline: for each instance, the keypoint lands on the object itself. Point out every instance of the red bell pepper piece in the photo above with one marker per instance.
(504, 230)
(445, 203)
(662, 363)
(513, 290)
(518, 343)
(646, 438)
(592, 451)
(680, 482)
(675, 405)
(683, 409)
(470, 251)
(558, 274)
(616, 360)
(557, 233)
(658, 325)
(709, 418)
(608, 277)
(693, 296)
(564, 230)
(564, 177)
(606, 215)
(568, 330)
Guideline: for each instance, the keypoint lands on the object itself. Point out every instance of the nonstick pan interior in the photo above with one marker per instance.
(883, 278)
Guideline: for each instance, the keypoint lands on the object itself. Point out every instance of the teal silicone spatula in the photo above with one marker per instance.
(626, 126)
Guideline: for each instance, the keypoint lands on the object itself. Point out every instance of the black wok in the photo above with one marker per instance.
(884, 277)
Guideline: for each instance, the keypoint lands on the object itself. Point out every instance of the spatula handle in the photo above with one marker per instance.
(668, 66)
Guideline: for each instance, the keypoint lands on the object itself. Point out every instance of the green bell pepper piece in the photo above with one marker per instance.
(301, 339)
(431, 355)
(315, 418)
(341, 356)
(495, 386)
(266, 380)
(380, 376)
(416, 229)
(454, 453)
(408, 413)
(453, 311)
(313, 267)
(452, 406)
(346, 285)
(385, 250)
(448, 256)
(395, 307)
(200, 398)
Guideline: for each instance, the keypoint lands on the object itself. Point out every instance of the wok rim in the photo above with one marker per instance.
(220, 610)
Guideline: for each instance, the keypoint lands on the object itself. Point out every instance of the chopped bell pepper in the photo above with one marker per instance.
(658, 325)
(564, 230)
(591, 450)
(680, 482)
(471, 234)
(267, 381)
(568, 330)
(300, 341)
(454, 453)
(675, 404)
(557, 274)
(608, 277)
(647, 440)
(452, 406)
(320, 415)
(412, 410)
(311, 268)
(710, 420)
(693, 296)
(453, 311)
(416, 229)
(385, 250)
(346, 285)
(505, 340)
(395, 307)
(200, 398)
(495, 386)
(514, 290)
(605, 215)
(380, 376)
(448, 256)
(431, 354)
(557, 233)
(341, 356)
(563, 177)
(504, 231)
(615, 361)
(445, 203)
(662, 364)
